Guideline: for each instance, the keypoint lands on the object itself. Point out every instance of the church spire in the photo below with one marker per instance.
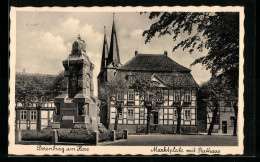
(113, 55)
(104, 52)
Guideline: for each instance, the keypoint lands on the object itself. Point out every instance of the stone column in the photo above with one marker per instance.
(54, 136)
(38, 127)
(113, 135)
(96, 137)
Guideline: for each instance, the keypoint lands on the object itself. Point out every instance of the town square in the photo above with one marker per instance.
(157, 78)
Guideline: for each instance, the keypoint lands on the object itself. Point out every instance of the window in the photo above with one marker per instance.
(141, 112)
(131, 78)
(23, 115)
(120, 96)
(131, 95)
(130, 114)
(175, 115)
(187, 97)
(159, 97)
(176, 96)
(57, 109)
(217, 119)
(120, 113)
(232, 120)
(33, 114)
(187, 115)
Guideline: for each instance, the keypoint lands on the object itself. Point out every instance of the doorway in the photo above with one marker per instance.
(224, 127)
(155, 117)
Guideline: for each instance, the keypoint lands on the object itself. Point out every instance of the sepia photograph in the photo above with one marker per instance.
(126, 80)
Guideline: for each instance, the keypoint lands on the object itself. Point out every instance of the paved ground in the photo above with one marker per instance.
(175, 140)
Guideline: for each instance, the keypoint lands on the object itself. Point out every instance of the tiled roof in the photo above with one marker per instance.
(170, 79)
(153, 62)
(178, 80)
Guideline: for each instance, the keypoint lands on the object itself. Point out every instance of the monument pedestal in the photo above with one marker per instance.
(76, 106)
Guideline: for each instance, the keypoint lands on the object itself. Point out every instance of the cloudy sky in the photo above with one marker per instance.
(44, 39)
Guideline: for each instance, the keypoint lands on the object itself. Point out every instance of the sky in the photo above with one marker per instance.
(44, 40)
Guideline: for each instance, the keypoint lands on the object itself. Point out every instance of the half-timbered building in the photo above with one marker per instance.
(175, 81)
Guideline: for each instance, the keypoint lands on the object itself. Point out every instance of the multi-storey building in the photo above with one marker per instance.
(160, 68)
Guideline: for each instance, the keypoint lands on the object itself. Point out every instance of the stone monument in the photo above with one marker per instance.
(76, 106)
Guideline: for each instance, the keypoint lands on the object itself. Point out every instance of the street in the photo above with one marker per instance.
(175, 140)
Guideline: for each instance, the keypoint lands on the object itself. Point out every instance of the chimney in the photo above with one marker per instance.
(166, 53)
(136, 53)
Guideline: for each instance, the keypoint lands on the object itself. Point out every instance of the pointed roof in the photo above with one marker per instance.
(113, 55)
(153, 63)
(104, 52)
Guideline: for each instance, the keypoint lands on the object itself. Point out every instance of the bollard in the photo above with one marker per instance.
(125, 134)
(96, 137)
(54, 136)
(19, 135)
(113, 135)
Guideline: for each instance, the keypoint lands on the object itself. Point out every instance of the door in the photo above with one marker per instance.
(224, 127)
(155, 117)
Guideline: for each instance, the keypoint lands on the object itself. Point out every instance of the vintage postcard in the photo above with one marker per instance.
(126, 81)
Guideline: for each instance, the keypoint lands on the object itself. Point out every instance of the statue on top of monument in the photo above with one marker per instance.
(78, 46)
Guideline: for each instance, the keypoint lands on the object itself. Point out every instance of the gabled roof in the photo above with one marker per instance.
(154, 77)
(153, 62)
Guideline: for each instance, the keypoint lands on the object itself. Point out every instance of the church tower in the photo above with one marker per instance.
(110, 58)
(103, 69)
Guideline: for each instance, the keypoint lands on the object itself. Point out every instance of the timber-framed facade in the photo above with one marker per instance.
(175, 81)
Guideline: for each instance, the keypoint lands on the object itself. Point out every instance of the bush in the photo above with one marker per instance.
(188, 130)
(76, 135)
(34, 135)
(104, 134)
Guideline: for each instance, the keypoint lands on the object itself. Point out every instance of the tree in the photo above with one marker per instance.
(218, 32)
(150, 94)
(181, 87)
(112, 93)
(215, 91)
(210, 93)
(32, 88)
(58, 85)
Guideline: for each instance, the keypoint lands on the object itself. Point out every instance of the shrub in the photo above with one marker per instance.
(76, 135)
(104, 134)
(188, 130)
(34, 135)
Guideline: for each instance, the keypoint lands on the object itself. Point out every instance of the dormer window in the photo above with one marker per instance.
(130, 77)
(120, 96)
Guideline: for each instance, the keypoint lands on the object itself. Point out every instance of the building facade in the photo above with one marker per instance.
(33, 117)
(175, 81)
(224, 123)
